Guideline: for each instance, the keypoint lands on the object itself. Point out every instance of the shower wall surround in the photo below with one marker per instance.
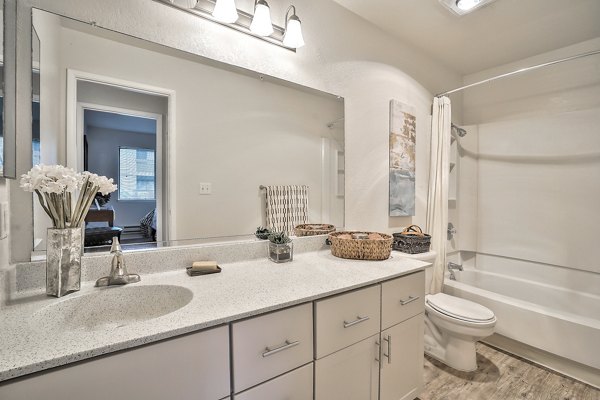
(538, 147)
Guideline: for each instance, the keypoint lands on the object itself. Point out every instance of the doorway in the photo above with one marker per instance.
(123, 144)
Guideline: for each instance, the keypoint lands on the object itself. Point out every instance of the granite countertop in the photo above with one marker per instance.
(30, 343)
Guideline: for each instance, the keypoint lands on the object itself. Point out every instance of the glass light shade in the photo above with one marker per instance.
(467, 4)
(185, 3)
(293, 34)
(261, 22)
(225, 11)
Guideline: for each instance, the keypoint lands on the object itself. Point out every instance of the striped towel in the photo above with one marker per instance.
(287, 206)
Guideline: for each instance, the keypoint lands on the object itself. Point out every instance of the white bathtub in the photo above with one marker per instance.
(539, 313)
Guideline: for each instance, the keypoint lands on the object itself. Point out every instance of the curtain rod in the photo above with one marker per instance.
(519, 71)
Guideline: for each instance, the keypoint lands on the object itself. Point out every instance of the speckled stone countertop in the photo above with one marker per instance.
(30, 343)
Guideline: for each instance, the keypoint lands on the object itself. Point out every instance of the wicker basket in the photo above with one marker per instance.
(412, 240)
(377, 246)
(313, 229)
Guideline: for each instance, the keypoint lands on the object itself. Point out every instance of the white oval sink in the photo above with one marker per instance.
(113, 307)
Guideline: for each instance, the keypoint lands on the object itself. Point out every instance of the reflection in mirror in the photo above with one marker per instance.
(1, 88)
(189, 141)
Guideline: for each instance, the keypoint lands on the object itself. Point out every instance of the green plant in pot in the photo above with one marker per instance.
(281, 248)
(262, 233)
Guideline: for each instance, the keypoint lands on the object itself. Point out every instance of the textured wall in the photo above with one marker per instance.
(344, 55)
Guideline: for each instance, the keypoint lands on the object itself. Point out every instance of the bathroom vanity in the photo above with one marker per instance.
(319, 327)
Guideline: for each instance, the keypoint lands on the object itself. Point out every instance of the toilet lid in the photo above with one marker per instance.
(459, 308)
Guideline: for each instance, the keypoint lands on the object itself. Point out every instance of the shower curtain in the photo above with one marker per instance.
(437, 197)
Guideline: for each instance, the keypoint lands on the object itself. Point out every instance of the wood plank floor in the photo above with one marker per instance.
(501, 376)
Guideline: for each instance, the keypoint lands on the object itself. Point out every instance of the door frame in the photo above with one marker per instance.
(167, 172)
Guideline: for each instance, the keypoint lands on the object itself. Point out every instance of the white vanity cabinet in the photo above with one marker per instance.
(362, 356)
(190, 367)
(363, 344)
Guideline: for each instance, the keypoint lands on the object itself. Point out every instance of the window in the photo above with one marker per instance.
(136, 174)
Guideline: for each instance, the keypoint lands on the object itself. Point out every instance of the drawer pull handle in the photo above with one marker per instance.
(358, 320)
(409, 300)
(287, 345)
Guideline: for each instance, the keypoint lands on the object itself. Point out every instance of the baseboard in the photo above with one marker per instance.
(564, 366)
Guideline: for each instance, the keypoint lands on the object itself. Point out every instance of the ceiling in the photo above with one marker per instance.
(120, 122)
(499, 33)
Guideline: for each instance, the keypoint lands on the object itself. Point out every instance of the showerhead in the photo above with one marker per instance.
(459, 131)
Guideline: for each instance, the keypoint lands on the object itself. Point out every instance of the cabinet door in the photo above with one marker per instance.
(295, 385)
(189, 367)
(349, 374)
(402, 360)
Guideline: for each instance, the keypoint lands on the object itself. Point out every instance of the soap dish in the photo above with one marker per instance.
(196, 273)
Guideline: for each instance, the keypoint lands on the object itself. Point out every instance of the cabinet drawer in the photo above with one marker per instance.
(295, 385)
(402, 298)
(346, 319)
(190, 367)
(270, 345)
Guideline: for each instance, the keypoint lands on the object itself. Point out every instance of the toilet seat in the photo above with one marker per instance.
(459, 310)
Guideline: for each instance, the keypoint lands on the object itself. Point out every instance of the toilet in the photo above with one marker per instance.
(453, 325)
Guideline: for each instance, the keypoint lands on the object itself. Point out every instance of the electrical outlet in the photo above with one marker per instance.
(204, 188)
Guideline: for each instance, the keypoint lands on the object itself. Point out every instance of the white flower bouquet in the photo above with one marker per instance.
(56, 186)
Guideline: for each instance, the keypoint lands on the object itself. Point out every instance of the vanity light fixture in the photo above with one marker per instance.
(462, 7)
(293, 30)
(185, 3)
(261, 22)
(225, 11)
(258, 25)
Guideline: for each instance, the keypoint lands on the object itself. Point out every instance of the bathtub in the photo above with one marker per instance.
(539, 313)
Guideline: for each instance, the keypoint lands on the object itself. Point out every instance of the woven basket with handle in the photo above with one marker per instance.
(412, 240)
(377, 246)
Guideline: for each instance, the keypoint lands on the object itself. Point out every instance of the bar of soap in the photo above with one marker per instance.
(204, 266)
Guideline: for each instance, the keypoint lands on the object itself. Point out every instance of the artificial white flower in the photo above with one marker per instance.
(54, 185)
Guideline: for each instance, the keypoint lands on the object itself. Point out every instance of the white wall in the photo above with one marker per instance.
(344, 55)
(103, 159)
(539, 161)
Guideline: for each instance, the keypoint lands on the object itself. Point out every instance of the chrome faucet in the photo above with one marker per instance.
(118, 271)
(454, 267)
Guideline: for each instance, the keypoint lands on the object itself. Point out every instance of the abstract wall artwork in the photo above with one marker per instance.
(403, 135)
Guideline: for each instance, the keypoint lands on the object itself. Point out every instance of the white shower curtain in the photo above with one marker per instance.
(437, 198)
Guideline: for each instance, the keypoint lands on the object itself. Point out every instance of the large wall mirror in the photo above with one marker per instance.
(2, 149)
(189, 141)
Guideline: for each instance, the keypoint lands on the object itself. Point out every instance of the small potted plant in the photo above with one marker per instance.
(262, 233)
(281, 248)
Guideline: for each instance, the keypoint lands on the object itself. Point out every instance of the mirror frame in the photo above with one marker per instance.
(9, 116)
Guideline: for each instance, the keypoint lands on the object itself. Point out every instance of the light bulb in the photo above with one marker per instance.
(293, 33)
(225, 11)
(467, 4)
(261, 22)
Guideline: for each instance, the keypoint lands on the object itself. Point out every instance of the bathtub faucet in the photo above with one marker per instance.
(452, 267)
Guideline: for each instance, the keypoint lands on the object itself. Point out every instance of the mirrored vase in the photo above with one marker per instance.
(63, 261)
